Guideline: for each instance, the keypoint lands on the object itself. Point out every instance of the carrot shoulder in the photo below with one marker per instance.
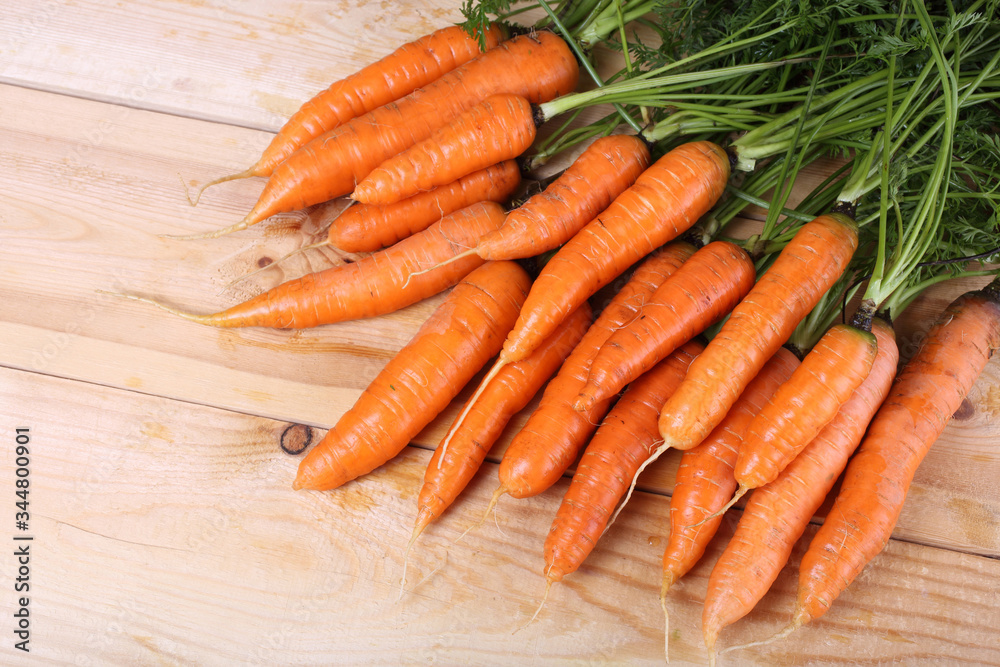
(927, 392)
(374, 285)
(366, 228)
(539, 67)
(555, 433)
(666, 200)
(777, 514)
(512, 389)
(804, 270)
(704, 289)
(419, 382)
(499, 128)
(622, 442)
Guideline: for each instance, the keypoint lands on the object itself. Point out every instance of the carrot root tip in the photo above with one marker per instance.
(201, 319)
(246, 173)
(545, 596)
(781, 634)
(725, 508)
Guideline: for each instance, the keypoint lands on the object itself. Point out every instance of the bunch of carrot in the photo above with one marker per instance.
(693, 353)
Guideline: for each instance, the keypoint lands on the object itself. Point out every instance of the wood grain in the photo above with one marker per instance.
(167, 532)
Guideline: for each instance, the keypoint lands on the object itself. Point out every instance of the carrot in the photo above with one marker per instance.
(705, 480)
(374, 285)
(553, 216)
(364, 228)
(707, 287)
(705, 476)
(447, 476)
(803, 271)
(555, 433)
(419, 382)
(409, 67)
(665, 200)
(801, 407)
(927, 392)
(538, 66)
(499, 128)
(777, 514)
(622, 442)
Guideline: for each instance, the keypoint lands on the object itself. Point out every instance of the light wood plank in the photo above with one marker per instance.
(166, 532)
(249, 63)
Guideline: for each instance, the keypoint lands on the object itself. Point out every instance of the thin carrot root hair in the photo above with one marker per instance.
(740, 492)
(417, 530)
(545, 596)
(667, 582)
(424, 520)
(239, 226)
(461, 255)
(501, 490)
(194, 317)
(781, 634)
(246, 173)
(497, 367)
(425, 578)
(652, 457)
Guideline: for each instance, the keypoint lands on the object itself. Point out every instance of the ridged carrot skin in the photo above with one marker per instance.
(621, 443)
(798, 411)
(705, 476)
(374, 285)
(509, 393)
(364, 228)
(708, 286)
(539, 67)
(927, 392)
(665, 200)
(419, 382)
(398, 74)
(499, 128)
(804, 270)
(777, 514)
(555, 433)
(550, 218)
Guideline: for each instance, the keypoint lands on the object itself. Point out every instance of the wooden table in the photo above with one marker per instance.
(164, 527)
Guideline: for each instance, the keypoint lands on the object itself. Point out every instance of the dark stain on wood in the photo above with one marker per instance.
(296, 438)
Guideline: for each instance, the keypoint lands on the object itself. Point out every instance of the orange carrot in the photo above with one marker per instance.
(553, 216)
(777, 514)
(705, 476)
(798, 411)
(538, 66)
(448, 475)
(707, 287)
(419, 382)
(409, 67)
(374, 285)
(927, 392)
(804, 270)
(666, 200)
(364, 228)
(622, 442)
(555, 433)
(499, 128)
